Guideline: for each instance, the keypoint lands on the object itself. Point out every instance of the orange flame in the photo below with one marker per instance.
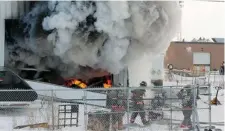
(76, 82)
(108, 83)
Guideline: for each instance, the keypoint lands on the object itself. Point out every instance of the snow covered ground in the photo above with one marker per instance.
(42, 112)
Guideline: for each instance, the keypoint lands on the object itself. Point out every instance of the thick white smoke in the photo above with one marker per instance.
(106, 35)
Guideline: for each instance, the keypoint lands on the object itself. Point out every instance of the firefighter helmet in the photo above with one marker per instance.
(120, 85)
(143, 83)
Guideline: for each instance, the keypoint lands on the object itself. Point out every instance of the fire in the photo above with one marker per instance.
(76, 82)
(108, 83)
(81, 84)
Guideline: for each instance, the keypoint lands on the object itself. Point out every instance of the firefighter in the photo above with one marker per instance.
(138, 104)
(118, 106)
(187, 97)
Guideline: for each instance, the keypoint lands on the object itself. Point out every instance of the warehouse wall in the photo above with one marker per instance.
(178, 55)
(9, 10)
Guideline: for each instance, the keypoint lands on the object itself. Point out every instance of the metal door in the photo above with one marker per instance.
(201, 58)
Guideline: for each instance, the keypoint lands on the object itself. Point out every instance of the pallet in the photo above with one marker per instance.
(38, 125)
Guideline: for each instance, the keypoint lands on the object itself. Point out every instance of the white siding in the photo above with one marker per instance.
(9, 10)
(121, 78)
(201, 58)
(2, 32)
(14, 7)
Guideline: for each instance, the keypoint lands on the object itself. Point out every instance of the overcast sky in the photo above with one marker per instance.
(203, 19)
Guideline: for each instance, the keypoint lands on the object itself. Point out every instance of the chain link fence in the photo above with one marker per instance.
(164, 111)
(178, 77)
(124, 108)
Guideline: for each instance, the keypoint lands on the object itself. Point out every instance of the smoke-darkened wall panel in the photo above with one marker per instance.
(9, 10)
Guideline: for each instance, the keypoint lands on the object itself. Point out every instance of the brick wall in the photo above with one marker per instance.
(178, 55)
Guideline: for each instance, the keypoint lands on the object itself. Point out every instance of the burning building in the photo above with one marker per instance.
(84, 39)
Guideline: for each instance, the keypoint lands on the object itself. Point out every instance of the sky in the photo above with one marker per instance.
(203, 19)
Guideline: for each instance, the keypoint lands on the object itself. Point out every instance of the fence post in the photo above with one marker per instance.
(52, 104)
(194, 110)
(210, 113)
(85, 110)
(181, 81)
(128, 105)
(171, 117)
